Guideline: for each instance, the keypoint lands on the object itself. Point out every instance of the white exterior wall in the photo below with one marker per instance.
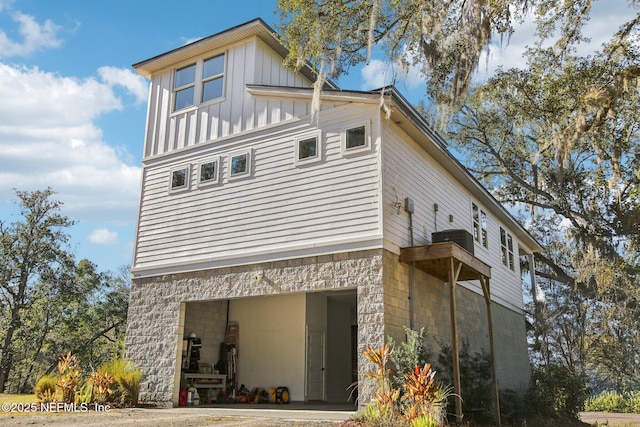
(249, 62)
(280, 209)
(408, 171)
(271, 342)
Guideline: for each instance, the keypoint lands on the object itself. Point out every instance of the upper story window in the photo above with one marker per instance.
(479, 225)
(179, 178)
(308, 148)
(203, 81)
(239, 164)
(506, 243)
(212, 78)
(208, 172)
(184, 86)
(356, 139)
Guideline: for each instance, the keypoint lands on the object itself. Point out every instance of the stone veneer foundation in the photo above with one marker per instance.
(156, 312)
(154, 327)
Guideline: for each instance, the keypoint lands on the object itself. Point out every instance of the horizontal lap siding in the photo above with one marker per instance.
(279, 206)
(408, 171)
(251, 62)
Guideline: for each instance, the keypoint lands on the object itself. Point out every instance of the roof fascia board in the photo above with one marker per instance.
(256, 27)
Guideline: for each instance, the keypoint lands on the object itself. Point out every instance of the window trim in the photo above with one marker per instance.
(187, 178)
(177, 89)
(249, 169)
(506, 249)
(211, 78)
(198, 84)
(304, 137)
(216, 178)
(479, 220)
(367, 139)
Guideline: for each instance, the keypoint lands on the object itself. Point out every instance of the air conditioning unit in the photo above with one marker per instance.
(462, 237)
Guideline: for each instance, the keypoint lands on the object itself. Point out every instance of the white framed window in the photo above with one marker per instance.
(479, 225)
(208, 172)
(212, 78)
(239, 164)
(184, 87)
(179, 178)
(200, 82)
(356, 139)
(506, 244)
(308, 148)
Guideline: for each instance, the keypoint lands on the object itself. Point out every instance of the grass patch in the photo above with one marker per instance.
(17, 398)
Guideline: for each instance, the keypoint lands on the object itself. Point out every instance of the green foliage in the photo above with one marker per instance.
(424, 421)
(418, 400)
(410, 353)
(45, 388)
(475, 380)
(558, 392)
(612, 401)
(126, 381)
(53, 304)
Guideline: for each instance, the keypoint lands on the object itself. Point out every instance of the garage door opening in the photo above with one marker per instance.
(304, 342)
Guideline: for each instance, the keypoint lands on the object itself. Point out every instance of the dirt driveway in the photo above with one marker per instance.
(189, 417)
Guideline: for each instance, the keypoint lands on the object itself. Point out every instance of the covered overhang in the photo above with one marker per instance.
(451, 263)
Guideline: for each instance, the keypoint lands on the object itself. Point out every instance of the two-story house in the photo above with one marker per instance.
(315, 237)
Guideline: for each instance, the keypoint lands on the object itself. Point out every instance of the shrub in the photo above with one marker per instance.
(607, 401)
(45, 388)
(633, 401)
(424, 421)
(385, 396)
(558, 391)
(475, 380)
(126, 380)
(408, 354)
(101, 382)
(70, 377)
(612, 401)
(423, 403)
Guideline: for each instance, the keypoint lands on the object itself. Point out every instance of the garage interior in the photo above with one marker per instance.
(304, 343)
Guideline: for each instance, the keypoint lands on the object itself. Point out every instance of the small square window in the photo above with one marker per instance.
(356, 139)
(240, 164)
(179, 178)
(208, 172)
(308, 148)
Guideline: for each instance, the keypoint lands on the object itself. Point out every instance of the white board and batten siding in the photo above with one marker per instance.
(248, 62)
(282, 209)
(409, 171)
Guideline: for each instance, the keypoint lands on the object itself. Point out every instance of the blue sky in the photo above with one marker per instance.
(72, 110)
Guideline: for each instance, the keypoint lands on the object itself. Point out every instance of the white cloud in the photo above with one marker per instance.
(134, 84)
(5, 3)
(34, 36)
(103, 236)
(378, 73)
(48, 138)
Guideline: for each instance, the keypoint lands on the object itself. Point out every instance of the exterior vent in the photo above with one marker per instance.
(462, 237)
